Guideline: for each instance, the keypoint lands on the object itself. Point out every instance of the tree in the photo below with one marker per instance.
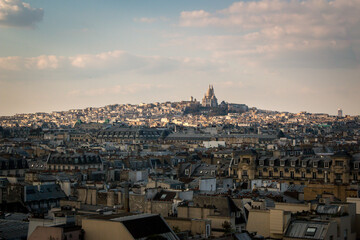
(227, 227)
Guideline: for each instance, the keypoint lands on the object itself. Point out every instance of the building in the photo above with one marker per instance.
(340, 168)
(340, 113)
(13, 165)
(71, 162)
(131, 135)
(209, 99)
(62, 232)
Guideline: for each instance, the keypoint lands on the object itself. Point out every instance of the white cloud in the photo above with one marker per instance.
(15, 13)
(106, 63)
(145, 20)
(270, 28)
(44, 62)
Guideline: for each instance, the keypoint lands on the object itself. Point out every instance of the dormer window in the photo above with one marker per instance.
(356, 165)
(304, 164)
(310, 231)
(293, 163)
(282, 163)
(326, 164)
(315, 164)
(261, 162)
(271, 162)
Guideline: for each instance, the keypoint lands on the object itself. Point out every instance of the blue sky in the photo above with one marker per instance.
(272, 54)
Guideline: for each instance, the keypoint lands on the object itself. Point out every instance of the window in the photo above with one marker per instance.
(292, 174)
(304, 164)
(260, 173)
(293, 163)
(315, 164)
(339, 163)
(356, 165)
(282, 163)
(270, 173)
(236, 161)
(271, 162)
(281, 174)
(244, 173)
(355, 177)
(310, 231)
(208, 230)
(338, 176)
(314, 175)
(302, 174)
(187, 171)
(326, 164)
(261, 162)
(246, 160)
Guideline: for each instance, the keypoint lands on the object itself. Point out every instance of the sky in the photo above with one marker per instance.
(296, 55)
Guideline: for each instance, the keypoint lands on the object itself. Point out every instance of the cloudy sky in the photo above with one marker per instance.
(296, 55)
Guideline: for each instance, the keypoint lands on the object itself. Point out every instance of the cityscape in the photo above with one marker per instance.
(194, 169)
(229, 120)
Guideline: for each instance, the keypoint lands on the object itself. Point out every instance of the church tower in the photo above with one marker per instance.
(209, 99)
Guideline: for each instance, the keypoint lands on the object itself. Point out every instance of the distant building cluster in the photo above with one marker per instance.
(179, 170)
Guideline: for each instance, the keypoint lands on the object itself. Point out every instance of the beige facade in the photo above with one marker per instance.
(195, 226)
(56, 233)
(336, 169)
(208, 213)
(268, 223)
(311, 191)
(96, 229)
(293, 207)
(243, 165)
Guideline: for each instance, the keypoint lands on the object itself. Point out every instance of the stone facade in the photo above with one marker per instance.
(339, 168)
(209, 99)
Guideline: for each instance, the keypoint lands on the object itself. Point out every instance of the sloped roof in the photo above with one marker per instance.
(164, 196)
(86, 158)
(43, 192)
(307, 229)
(144, 225)
(10, 229)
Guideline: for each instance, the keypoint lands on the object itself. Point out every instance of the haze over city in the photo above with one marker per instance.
(280, 55)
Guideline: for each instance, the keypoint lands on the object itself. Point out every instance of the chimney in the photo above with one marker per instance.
(126, 198)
